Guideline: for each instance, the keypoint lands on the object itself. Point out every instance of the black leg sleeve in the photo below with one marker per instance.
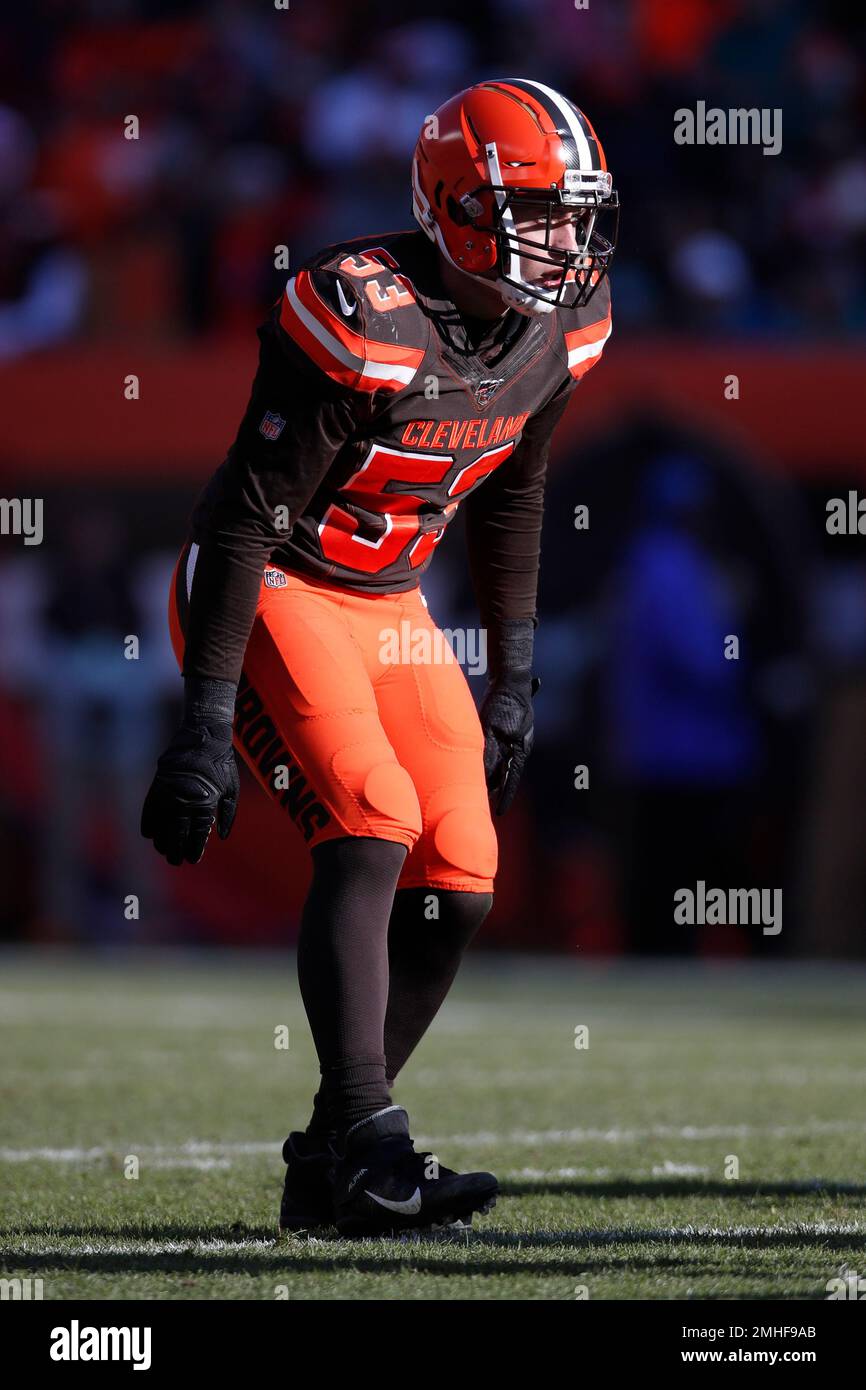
(343, 973)
(424, 953)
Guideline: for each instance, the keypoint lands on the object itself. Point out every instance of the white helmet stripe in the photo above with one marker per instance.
(423, 213)
(576, 130)
(424, 217)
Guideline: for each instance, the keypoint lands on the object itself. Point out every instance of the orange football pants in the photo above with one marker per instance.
(351, 736)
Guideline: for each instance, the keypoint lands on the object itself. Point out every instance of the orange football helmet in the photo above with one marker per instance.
(509, 179)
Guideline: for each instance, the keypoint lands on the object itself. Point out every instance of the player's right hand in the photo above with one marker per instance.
(196, 787)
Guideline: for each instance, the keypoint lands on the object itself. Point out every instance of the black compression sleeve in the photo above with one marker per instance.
(252, 501)
(503, 522)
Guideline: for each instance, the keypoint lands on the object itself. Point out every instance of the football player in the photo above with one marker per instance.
(400, 377)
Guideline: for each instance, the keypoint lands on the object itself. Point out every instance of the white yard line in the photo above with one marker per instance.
(191, 1155)
(504, 1240)
(194, 1149)
(615, 1135)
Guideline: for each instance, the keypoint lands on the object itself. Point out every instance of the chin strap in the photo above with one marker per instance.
(523, 301)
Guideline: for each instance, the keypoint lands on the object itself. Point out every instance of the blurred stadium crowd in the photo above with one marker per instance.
(261, 127)
(264, 127)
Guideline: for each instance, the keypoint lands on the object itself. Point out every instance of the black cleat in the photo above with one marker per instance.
(307, 1196)
(381, 1185)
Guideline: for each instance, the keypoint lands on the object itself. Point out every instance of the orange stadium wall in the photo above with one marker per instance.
(66, 415)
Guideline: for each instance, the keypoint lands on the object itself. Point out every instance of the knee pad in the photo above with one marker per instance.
(384, 792)
(463, 840)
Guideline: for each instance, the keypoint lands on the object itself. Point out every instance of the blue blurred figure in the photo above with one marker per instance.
(685, 738)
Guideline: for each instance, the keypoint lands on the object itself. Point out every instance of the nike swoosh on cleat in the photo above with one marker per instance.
(348, 309)
(410, 1207)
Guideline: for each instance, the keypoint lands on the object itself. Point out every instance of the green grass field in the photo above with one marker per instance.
(612, 1158)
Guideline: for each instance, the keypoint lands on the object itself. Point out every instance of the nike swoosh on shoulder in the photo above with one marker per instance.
(410, 1207)
(348, 309)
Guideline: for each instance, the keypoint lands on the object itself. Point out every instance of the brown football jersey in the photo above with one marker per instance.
(378, 410)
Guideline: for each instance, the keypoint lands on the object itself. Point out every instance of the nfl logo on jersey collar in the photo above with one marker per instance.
(486, 390)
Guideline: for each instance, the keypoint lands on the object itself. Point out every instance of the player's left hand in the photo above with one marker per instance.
(506, 719)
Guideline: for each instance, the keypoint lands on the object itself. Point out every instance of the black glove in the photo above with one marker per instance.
(196, 783)
(506, 710)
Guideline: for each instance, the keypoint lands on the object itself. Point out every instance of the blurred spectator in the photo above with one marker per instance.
(685, 742)
(43, 280)
(98, 717)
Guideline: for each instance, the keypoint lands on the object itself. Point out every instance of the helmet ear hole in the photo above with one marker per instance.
(455, 211)
(477, 252)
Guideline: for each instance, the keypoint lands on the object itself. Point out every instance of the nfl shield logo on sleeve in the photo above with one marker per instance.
(272, 425)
